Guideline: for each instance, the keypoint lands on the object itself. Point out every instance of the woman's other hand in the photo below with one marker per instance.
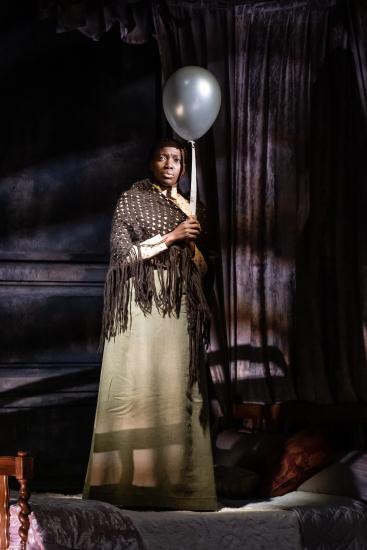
(187, 231)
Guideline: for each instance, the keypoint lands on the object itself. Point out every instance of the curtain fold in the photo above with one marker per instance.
(357, 18)
(281, 177)
(93, 19)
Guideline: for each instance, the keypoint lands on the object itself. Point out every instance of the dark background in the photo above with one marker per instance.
(76, 120)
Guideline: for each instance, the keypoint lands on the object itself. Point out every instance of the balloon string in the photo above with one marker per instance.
(193, 192)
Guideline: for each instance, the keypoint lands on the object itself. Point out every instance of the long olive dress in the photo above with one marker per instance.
(151, 444)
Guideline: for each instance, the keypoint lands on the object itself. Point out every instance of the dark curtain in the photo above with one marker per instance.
(357, 18)
(282, 177)
(94, 18)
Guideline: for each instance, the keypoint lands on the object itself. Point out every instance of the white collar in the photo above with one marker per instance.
(170, 192)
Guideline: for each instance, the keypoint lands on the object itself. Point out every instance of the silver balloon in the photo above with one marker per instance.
(191, 101)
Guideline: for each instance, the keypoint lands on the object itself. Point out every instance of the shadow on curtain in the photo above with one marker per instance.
(282, 177)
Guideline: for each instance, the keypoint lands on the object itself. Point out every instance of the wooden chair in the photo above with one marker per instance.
(20, 467)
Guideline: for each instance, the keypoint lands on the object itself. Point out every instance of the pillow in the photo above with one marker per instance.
(235, 482)
(303, 455)
(69, 523)
(347, 477)
(234, 448)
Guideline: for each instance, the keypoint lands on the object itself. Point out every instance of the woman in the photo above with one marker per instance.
(150, 446)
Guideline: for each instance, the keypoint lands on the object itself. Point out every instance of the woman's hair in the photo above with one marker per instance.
(169, 142)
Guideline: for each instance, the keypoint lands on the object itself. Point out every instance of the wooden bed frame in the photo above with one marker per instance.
(20, 467)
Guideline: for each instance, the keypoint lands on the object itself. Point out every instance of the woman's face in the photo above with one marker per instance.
(166, 166)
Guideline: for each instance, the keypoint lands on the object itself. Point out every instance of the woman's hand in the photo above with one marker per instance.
(188, 230)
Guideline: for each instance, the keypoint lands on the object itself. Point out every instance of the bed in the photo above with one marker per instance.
(312, 517)
(290, 522)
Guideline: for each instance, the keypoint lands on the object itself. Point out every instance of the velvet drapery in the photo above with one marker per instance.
(282, 177)
(93, 19)
(282, 173)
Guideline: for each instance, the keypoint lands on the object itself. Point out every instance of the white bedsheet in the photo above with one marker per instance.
(327, 522)
(228, 529)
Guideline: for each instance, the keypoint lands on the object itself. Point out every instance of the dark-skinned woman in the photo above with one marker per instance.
(151, 445)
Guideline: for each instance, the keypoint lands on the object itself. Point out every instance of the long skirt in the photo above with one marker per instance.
(151, 444)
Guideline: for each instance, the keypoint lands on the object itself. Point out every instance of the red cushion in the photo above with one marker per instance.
(302, 455)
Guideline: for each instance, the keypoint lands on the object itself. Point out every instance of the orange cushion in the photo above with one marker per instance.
(302, 455)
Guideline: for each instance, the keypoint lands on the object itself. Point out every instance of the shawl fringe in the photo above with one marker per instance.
(177, 274)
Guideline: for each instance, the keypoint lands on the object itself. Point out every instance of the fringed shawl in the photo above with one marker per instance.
(141, 213)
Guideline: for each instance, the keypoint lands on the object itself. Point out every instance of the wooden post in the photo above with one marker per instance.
(24, 471)
(20, 467)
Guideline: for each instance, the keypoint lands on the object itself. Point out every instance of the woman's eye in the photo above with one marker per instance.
(177, 161)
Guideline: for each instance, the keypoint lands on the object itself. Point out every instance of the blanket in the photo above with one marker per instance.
(291, 522)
